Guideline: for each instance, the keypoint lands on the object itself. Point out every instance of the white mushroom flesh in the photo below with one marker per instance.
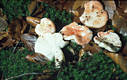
(45, 26)
(94, 16)
(108, 40)
(50, 46)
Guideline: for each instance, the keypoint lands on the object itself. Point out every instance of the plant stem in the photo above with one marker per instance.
(25, 74)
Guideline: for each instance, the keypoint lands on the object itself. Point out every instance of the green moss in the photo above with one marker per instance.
(15, 8)
(13, 64)
(97, 67)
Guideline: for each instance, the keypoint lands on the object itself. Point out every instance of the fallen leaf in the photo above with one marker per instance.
(79, 4)
(23, 26)
(120, 23)
(32, 31)
(77, 13)
(16, 28)
(5, 40)
(3, 24)
(37, 58)
(2, 14)
(32, 6)
(124, 50)
(29, 41)
(33, 20)
(39, 12)
(110, 7)
(118, 59)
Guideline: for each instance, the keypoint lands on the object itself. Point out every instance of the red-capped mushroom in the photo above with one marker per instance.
(81, 34)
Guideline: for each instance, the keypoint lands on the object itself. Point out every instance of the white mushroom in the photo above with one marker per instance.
(108, 40)
(94, 16)
(80, 34)
(45, 26)
(50, 46)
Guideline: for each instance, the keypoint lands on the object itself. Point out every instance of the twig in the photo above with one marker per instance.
(25, 74)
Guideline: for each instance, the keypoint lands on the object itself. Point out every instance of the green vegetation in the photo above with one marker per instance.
(15, 8)
(14, 64)
(96, 67)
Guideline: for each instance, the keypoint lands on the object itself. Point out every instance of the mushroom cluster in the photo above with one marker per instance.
(49, 43)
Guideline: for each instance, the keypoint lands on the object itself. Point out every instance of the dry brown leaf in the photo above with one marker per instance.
(37, 58)
(122, 8)
(79, 4)
(2, 15)
(120, 23)
(33, 21)
(23, 26)
(124, 50)
(123, 5)
(29, 41)
(3, 24)
(32, 31)
(16, 28)
(118, 59)
(5, 40)
(32, 6)
(39, 12)
(110, 7)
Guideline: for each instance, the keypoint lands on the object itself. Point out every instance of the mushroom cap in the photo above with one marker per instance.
(81, 34)
(45, 26)
(94, 16)
(108, 40)
(93, 5)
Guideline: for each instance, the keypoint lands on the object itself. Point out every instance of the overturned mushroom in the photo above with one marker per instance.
(45, 26)
(50, 46)
(108, 40)
(94, 16)
(80, 34)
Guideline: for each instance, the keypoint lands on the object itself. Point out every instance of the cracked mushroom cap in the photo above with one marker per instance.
(45, 26)
(50, 46)
(108, 40)
(94, 16)
(81, 34)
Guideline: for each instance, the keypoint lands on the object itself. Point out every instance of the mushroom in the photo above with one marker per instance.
(108, 40)
(94, 16)
(45, 26)
(50, 46)
(80, 34)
